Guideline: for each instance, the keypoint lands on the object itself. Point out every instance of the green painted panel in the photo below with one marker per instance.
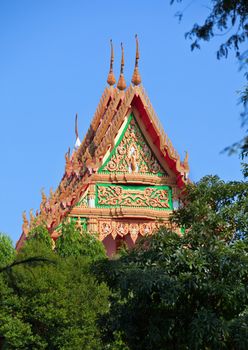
(132, 153)
(142, 196)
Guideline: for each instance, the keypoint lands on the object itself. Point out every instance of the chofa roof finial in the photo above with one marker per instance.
(136, 79)
(186, 160)
(78, 142)
(121, 82)
(111, 78)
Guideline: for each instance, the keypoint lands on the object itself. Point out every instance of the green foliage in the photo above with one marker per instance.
(215, 208)
(188, 291)
(117, 342)
(7, 251)
(224, 17)
(51, 305)
(170, 294)
(245, 170)
(72, 242)
(40, 234)
(171, 291)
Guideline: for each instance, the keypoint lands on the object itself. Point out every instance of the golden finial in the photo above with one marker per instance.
(25, 223)
(43, 196)
(67, 155)
(186, 159)
(31, 216)
(111, 78)
(136, 79)
(68, 162)
(24, 217)
(87, 154)
(121, 82)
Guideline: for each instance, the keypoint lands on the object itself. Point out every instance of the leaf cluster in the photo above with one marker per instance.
(185, 291)
(215, 207)
(224, 16)
(172, 294)
(49, 301)
(7, 252)
(72, 242)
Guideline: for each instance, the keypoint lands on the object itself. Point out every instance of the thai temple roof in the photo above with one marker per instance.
(81, 167)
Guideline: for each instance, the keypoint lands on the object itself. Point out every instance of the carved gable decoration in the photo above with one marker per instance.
(151, 197)
(132, 154)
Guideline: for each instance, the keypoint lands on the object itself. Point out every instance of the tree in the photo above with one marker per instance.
(186, 291)
(40, 234)
(7, 251)
(72, 242)
(228, 18)
(215, 207)
(53, 304)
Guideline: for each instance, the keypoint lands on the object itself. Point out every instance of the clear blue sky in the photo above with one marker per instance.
(54, 62)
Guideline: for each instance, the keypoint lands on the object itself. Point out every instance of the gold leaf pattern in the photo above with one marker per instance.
(133, 155)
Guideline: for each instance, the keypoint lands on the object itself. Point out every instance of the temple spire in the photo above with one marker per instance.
(121, 82)
(78, 142)
(111, 78)
(136, 78)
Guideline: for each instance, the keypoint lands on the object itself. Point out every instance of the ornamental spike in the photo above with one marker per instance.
(136, 78)
(78, 142)
(111, 78)
(121, 82)
(186, 159)
(76, 125)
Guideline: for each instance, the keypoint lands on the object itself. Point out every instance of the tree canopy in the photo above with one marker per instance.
(7, 251)
(171, 291)
(53, 303)
(72, 242)
(186, 291)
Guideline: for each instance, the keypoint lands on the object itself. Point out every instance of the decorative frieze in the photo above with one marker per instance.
(123, 228)
(154, 197)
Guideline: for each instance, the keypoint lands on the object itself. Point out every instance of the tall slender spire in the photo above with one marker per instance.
(121, 82)
(111, 78)
(76, 125)
(136, 79)
(78, 142)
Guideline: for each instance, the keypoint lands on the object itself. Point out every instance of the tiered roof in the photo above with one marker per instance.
(82, 165)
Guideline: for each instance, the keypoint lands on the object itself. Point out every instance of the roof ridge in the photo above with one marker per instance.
(165, 140)
(106, 118)
(116, 121)
(95, 120)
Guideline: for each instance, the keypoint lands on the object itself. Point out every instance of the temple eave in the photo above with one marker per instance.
(120, 212)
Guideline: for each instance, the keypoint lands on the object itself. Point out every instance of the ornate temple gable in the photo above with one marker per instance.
(131, 154)
(121, 180)
(136, 99)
